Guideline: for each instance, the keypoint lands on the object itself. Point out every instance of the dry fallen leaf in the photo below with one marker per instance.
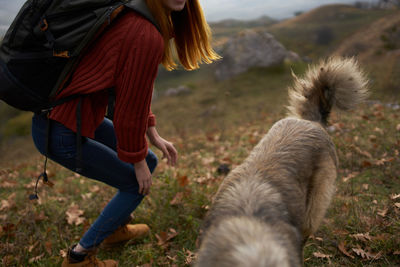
(9, 184)
(367, 255)
(9, 203)
(361, 152)
(183, 181)
(63, 253)
(73, 215)
(49, 247)
(190, 257)
(164, 237)
(321, 255)
(398, 127)
(342, 248)
(362, 237)
(397, 205)
(94, 189)
(383, 212)
(350, 176)
(34, 259)
(394, 196)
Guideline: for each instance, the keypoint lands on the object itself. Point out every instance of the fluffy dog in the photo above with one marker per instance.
(266, 208)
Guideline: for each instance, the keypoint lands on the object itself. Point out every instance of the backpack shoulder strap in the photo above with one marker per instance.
(140, 6)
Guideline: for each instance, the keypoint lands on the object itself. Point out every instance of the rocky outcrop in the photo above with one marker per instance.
(249, 49)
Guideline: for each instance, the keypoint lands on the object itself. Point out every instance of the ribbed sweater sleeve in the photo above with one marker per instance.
(141, 53)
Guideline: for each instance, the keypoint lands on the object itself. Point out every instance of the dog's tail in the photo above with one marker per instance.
(336, 82)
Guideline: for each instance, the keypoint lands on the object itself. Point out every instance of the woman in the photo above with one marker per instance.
(125, 57)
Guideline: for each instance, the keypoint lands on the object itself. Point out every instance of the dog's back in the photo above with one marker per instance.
(266, 207)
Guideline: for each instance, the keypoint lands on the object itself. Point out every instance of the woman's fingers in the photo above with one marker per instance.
(140, 182)
(173, 154)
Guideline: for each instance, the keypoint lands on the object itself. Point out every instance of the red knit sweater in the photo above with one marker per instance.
(125, 57)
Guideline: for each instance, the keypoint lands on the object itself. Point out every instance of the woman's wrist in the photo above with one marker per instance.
(152, 133)
(140, 164)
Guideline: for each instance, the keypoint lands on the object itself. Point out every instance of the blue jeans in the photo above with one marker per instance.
(99, 162)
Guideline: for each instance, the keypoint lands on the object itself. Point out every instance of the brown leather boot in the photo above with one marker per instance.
(125, 233)
(86, 260)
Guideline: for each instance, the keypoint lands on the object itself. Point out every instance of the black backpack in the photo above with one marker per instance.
(45, 42)
(44, 45)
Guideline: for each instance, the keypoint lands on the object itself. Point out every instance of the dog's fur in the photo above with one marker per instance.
(266, 208)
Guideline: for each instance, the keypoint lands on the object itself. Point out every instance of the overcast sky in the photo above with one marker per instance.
(214, 9)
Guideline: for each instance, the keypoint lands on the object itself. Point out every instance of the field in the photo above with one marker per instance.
(214, 127)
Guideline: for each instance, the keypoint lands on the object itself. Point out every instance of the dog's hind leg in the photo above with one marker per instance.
(320, 192)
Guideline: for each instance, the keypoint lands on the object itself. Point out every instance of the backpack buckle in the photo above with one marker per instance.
(43, 25)
(64, 54)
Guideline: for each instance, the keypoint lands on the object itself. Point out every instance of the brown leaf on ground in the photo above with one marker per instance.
(177, 199)
(9, 203)
(342, 248)
(94, 189)
(360, 252)
(362, 237)
(361, 152)
(382, 161)
(190, 257)
(321, 255)
(9, 184)
(366, 164)
(164, 237)
(367, 255)
(397, 252)
(74, 215)
(397, 205)
(183, 180)
(398, 127)
(379, 130)
(350, 176)
(382, 212)
(30, 248)
(49, 246)
(34, 259)
(63, 253)
(394, 196)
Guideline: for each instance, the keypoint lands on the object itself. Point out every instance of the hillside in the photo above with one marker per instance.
(317, 33)
(378, 48)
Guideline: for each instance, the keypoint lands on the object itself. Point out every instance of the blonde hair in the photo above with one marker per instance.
(190, 32)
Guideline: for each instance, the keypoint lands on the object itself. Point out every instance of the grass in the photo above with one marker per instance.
(362, 215)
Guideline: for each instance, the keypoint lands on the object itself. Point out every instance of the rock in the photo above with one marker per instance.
(180, 90)
(251, 48)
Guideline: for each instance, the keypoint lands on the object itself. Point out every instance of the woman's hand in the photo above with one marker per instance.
(143, 177)
(166, 147)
